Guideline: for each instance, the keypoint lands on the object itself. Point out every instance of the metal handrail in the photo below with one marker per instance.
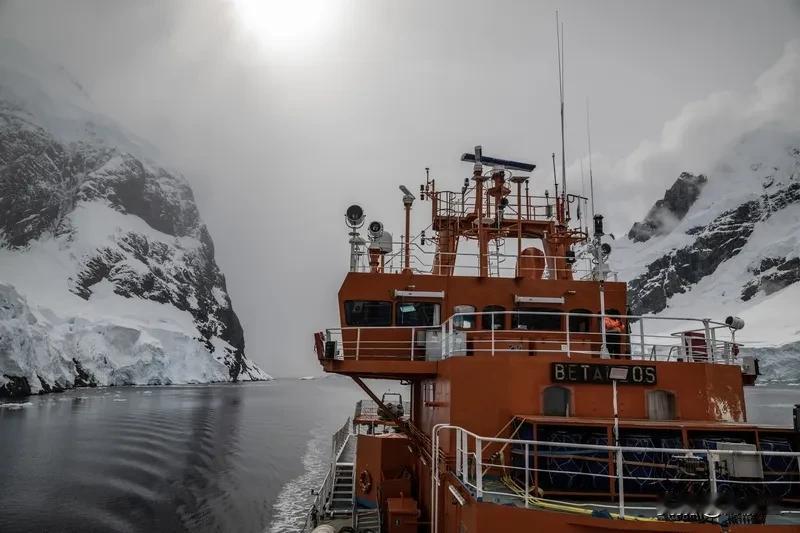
(450, 340)
(322, 498)
(422, 262)
(471, 468)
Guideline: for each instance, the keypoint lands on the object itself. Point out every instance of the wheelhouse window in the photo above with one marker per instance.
(578, 322)
(660, 405)
(368, 313)
(556, 401)
(464, 317)
(496, 319)
(417, 314)
(523, 318)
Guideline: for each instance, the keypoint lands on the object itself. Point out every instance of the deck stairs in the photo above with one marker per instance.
(341, 502)
(367, 521)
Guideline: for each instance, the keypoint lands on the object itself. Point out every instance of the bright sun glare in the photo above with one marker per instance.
(286, 24)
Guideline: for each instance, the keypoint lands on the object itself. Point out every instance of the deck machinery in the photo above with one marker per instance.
(537, 402)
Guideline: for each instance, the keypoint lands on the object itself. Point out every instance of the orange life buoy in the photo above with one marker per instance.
(365, 481)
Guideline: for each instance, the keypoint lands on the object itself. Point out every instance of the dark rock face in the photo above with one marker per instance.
(672, 208)
(17, 386)
(772, 275)
(42, 181)
(715, 243)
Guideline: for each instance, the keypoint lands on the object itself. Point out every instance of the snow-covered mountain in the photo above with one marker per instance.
(725, 240)
(107, 272)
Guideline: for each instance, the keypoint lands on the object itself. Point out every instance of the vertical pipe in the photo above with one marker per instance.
(358, 342)
(408, 237)
(568, 346)
(483, 256)
(413, 342)
(519, 223)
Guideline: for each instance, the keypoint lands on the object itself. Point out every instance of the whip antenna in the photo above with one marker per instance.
(560, 48)
(589, 141)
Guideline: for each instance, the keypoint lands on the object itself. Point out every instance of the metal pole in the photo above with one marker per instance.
(709, 344)
(568, 326)
(443, 342)
(712, 476)
(478, 468)
(464, 457)
(408, 237)
(413, 342)
(604, 348)
(620, 479)
(620, 484)
(641, 335)
(358, 342)
(527, 473)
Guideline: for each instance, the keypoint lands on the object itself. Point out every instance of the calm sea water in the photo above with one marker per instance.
(238, 458)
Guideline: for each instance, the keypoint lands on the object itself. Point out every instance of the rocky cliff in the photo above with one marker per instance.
(107, 272)
(731, 244)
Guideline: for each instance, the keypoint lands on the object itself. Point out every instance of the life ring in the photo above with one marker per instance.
(365, 481)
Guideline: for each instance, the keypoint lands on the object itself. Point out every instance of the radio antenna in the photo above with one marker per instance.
(560, 48)
(589, 141)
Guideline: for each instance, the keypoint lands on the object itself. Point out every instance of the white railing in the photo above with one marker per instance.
(467, 263)
(649, 338)
(323, 496)
(646, 338)
(479, 464)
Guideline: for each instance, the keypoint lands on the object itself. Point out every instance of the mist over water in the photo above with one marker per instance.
(208, 458)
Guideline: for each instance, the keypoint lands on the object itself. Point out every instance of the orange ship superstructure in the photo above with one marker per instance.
(536, 401)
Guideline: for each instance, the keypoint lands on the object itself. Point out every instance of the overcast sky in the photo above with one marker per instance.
(283, 113)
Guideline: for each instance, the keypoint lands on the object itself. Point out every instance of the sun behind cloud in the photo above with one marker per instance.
(287, 25)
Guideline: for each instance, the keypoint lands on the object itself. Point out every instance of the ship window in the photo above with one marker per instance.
(417, 314)
(556, 401)
(537, 322)
(467, 320)
(368, 313)
(495, 320)
(660, 405)
(579, 323)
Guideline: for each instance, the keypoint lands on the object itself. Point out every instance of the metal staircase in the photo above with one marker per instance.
(367, 521)
(341, 502)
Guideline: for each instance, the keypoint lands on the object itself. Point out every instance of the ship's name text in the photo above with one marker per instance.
(589, 373)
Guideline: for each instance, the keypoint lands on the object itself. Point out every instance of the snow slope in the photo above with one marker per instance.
(734, 251)
(107, 273)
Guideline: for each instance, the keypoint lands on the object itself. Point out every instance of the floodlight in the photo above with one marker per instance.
(375, 230)
(354, 216)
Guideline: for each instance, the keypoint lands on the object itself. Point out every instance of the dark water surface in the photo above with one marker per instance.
(231, 458)
(191, 458)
